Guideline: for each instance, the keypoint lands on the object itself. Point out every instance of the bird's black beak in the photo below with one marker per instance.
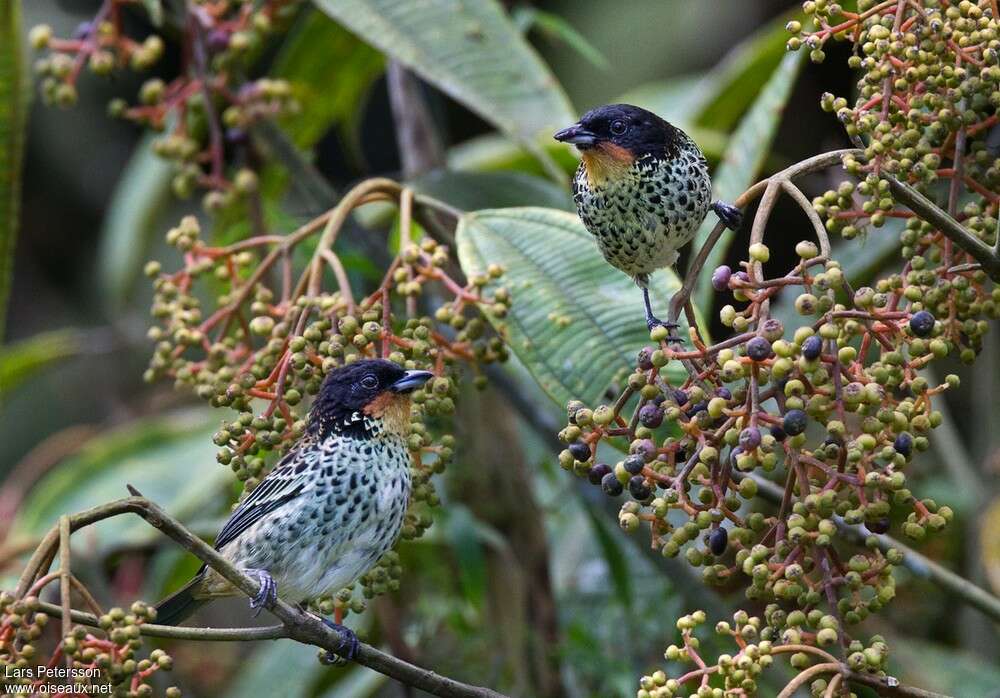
(411, 381)
(578, 136)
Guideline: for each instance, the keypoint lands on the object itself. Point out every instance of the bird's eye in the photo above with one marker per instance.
(369, 382)
(618, 127)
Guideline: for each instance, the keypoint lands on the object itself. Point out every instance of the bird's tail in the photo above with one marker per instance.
(176, 608)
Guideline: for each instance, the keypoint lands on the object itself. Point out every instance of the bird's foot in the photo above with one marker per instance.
(268, 592)
(349, 642)
(730, 216)
(652, 321)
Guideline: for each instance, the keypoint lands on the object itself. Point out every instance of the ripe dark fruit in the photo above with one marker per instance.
(580, 451)
(759, 349)
(638, 488)
(611, 486)
(922, 323)
(720, 278)
(718, 540)
(794, 422)
(644, 359)
(750, 438)
(680, 397)
(812, 347)
(903, 444)
(650, 416)
(598, 472)
(878, 525)
(634, 464)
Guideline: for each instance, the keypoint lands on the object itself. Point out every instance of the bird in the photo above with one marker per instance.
(642, 189)
(330, 508)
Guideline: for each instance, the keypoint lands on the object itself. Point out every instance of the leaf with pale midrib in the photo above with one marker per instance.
(555, 271)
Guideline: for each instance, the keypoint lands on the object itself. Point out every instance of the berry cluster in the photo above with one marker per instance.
(829, 397)
(271, 340)
(205, 112)
(926, 104)
(107, 657)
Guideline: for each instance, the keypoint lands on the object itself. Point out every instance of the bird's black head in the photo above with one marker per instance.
(623, 130)
(375, 388)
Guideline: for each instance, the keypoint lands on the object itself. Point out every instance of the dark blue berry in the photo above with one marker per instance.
(724, 393)
(794, 422)
(720, 278)
(680, 397)
(778, 433)
(698, 407)
(611, 486)
(750, 438)
(597, 473)
(638, 488)
(759, 349)
(922, 323)
(903, 444)
(650, 416)
(634, 464)
(812, 347)
(717, 541)
(580, 451)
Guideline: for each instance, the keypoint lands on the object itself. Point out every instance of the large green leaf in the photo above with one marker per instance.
(169, 459)
(470, 191)
(141, 193)
(330, 71)
(471, 51)
(574, 322)
(13, 116)
(748, 148)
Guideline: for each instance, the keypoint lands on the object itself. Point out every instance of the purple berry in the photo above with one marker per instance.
(720, 278)
(922, 323)
(778, 433)
(794, 422)
(759, 349)
(724, 393)
(645, 360)
(597, 473)
(650, 416)
(680, 397)
(812, 347)
(749, 438)
(638, 488)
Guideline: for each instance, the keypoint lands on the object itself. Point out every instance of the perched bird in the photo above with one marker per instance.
(642, 189)
(331, 507)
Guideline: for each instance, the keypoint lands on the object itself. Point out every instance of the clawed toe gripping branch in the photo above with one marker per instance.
(296, 624)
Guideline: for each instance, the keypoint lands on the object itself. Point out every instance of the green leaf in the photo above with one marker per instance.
(558, 28)
(21, 360)
(494, 152)
(715, 100)
(470, 191)
(472, 52)
(14, 93)
(575, 322)
(614, 556)
(268, 672)
(744, 157)
(331, 71)
(140, 195)
(170, 459)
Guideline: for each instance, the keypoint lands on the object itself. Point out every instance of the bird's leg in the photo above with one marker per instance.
(268, 592)
(731, 216)
(653, 321)
(350, 640)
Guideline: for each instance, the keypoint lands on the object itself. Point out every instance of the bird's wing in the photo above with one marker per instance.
(283, 484)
